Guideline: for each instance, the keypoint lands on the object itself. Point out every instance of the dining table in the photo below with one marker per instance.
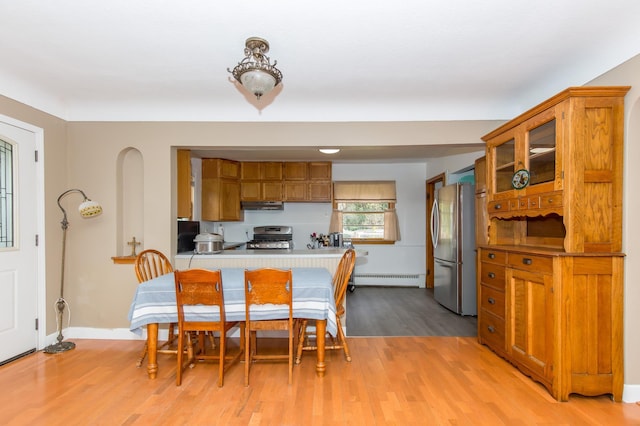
(154, 303)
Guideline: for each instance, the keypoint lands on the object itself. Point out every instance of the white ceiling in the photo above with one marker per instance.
(342, 61)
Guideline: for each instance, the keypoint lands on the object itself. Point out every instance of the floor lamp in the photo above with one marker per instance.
(87, 209)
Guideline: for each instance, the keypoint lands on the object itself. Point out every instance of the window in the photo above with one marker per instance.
(365, 211)
(6, 195)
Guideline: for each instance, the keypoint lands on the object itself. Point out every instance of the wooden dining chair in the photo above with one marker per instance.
(340, 283)
(151, 264)
(202, 287)
(261, 287)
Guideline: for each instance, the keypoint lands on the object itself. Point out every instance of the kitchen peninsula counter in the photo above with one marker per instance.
(274, 258)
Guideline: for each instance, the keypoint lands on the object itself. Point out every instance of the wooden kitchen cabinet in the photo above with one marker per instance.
(491, 299)
(184, 201)
(221, 190)
(572, 147)
(261, 170)
(291, 181)
(261, 181)
(307, 182)
(530, 315)
(294, 170)
(553, 247)
(261, 191)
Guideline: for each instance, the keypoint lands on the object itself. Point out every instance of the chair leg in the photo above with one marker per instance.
(302, 331)
(343, 341)
(142, 355)
(223, 349)
(247, 352)
(180, 353)
(291, 331)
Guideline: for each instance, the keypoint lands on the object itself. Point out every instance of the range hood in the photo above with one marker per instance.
(262, 205)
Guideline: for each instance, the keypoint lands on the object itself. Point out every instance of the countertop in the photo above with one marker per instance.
(281, 253)
(229, 254)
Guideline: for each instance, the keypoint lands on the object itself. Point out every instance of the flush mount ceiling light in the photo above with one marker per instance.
(255, 71)
(329, 150)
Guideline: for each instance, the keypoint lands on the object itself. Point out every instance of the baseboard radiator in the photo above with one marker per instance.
(382, 279)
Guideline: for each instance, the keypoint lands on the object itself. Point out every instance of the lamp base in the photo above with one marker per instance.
(59, 347)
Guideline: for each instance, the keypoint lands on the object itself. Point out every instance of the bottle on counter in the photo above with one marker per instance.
(221, 231)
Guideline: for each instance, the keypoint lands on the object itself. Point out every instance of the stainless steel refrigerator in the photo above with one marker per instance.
(453, 239)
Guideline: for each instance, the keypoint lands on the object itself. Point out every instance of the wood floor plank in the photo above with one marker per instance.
(391, 380)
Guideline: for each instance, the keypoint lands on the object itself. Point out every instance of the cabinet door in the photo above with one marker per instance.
(320, 171)
(250, 191)
(502, 155)
(230, 200)
(271, 171)
(272, 191)
(250, 170)
(320, 191)
(295, 171)
(530, 322)
(184, 183)
(295, 191)
(229, 169)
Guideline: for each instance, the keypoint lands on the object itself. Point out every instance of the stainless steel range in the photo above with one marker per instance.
(271, 237)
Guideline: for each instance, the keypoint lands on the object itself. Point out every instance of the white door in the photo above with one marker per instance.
(18, 251)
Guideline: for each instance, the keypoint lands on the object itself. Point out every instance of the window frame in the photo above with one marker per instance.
(391, 206)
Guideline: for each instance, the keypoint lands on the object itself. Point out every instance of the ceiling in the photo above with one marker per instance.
(342, 61)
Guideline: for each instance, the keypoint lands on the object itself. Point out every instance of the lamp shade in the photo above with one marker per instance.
(90, 209)
(258, 82)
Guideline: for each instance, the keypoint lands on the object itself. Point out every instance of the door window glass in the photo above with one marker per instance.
(6, 195)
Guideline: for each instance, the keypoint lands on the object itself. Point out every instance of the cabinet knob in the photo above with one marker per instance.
(491, 329)
(491, 275)
(527, 261)
(498, 206)
(491, 301)
(492, 256)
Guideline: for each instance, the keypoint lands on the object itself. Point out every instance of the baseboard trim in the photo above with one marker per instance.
(631, 393)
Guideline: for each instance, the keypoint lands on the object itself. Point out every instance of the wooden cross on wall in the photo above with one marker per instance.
(133, 243)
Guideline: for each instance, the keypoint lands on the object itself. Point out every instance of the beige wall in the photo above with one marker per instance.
(84, 155)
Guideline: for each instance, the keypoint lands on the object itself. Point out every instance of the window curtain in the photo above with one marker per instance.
(367, 191)
(336, 221)
(391, 227)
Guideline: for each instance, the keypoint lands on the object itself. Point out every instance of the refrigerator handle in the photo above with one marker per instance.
(435, 224)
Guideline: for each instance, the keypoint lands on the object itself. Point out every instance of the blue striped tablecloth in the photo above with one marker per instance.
(155, 300)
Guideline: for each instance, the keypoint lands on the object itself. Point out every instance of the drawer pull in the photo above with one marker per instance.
(491, 275)
(491, 301)
(491, 329)
(527, 261)
(498, 206)
(492, 256)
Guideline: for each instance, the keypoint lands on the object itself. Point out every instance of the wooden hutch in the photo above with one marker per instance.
(550, 277)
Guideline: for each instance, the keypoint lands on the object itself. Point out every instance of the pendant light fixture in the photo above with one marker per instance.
(255, 71)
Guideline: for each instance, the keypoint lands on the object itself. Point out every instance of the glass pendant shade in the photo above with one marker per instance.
(258, 82)
(255, 72)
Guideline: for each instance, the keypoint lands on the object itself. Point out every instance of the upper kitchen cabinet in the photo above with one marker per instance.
(261, 181)
(184, 195)
(221, 190)
(261, 170)
(555, 173)
(310, 182)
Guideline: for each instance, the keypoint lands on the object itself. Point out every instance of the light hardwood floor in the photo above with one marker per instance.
(391, 381)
